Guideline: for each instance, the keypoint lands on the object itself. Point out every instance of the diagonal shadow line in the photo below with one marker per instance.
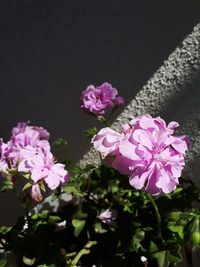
(166, 85)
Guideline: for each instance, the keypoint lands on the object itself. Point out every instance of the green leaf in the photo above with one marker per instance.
(26, 175)
(168, 256)
(42, 215)
(78, 225)
(28, 261)
(42, 187)
(179, 229)
(70, 189)
(136, 240)
(161, 258)
(175, 256)
(175, 215)
(3, 262)
(4, 230)
(99, 228)
(153, 247)
(60, 142)
(26, 186)
(7, 184)
(194, 229)
(90, 132)
(101, 118)
(54, 219)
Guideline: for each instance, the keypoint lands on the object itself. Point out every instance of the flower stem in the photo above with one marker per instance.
(83, 251)
(158, 217)
(100, 157)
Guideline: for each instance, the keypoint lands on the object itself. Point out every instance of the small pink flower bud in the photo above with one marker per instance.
(36, 193)
(119, 101)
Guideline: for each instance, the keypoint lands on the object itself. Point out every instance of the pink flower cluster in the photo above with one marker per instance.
(97, 100)
(28, 151)
(147, 151)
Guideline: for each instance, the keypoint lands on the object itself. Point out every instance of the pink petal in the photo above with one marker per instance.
(127, 149)
(39, 173)
(151, 186)
(52, 180)
(138, 181)
(36, 193)
(147, 123)
(122, 164)
(142, 137)
(23, 167)
(173, 125)
(165, 182)
(179, 145)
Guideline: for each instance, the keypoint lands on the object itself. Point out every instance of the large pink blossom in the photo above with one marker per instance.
(147, 151)
(97, 100)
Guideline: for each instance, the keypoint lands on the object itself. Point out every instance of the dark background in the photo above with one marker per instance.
(51, 50)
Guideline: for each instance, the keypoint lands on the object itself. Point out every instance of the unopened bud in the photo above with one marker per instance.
(119, 101)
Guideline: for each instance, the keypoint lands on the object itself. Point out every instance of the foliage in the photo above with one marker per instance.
(40, 239)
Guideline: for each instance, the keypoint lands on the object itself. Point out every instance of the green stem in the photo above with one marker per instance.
(158, 217)
(82, 252)
(101, 159)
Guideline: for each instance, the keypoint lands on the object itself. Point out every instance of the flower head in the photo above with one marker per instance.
(97, 100)
(147, 151)
(28, 151)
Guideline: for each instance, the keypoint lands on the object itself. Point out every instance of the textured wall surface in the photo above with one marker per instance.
(173, 93)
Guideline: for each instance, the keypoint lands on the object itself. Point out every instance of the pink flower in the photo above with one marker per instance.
(57, 175)
(22, 127)
(148, 152)
(24, 136)
(29, 135)
(119, 101)
(28, 151)
(98, 100)
(106, 141)
(36, 193)
(3, 152)
(42, 167)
